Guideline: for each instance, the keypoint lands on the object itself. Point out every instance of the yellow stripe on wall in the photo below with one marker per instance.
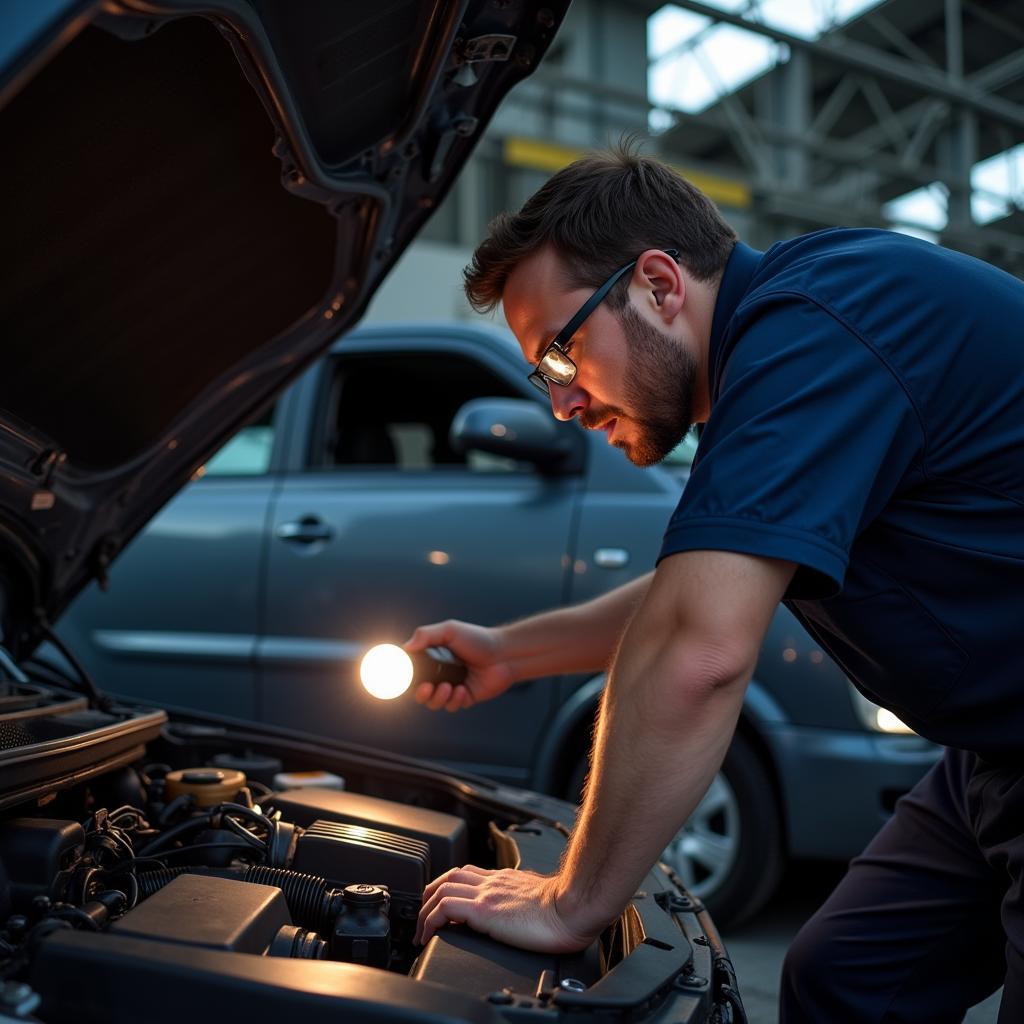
(547, 156)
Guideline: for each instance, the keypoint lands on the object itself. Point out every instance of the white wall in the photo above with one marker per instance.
(425, 284)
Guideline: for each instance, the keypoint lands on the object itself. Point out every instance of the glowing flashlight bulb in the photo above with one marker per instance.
(386, 671)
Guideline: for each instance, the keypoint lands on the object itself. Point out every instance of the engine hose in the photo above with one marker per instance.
(176, 832)
(153, 881)
(311, 904)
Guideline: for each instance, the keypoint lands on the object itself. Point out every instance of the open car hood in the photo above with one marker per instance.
(200, 198)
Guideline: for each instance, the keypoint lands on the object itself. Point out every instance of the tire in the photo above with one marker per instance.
(730, 853)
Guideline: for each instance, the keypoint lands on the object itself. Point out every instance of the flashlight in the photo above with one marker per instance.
(387, 671)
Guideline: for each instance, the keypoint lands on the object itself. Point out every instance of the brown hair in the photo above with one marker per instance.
(599, 213)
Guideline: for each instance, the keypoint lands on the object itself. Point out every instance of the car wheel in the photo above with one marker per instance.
(729, 854)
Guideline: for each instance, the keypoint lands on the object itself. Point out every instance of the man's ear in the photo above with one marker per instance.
(661, 283)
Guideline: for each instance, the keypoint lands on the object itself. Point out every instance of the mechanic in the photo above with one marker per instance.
(863, 460)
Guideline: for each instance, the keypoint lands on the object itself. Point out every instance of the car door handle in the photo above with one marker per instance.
(307, 530)
(611, 558)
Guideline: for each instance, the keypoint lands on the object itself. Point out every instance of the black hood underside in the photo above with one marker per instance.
(125, 313)
(199, 201)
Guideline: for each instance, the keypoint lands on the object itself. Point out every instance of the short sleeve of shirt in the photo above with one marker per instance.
(809, 436)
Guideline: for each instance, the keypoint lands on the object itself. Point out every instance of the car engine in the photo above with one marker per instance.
(196, 860)
(155, 870)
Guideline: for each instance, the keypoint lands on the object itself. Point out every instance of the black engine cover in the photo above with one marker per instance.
(203, 910)
(344, 854)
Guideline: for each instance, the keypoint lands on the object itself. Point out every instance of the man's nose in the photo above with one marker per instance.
(567, 402)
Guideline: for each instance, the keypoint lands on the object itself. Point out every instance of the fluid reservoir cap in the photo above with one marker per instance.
(363, 894)
(209, 786)
(203, 776)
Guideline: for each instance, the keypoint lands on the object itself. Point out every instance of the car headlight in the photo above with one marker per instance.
(876, 718)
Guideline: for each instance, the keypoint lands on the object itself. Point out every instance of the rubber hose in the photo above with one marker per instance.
(153, 881)
(307, 896)
(310, 903)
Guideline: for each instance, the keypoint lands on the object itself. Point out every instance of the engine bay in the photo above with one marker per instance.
(223, 865)
(332, 888)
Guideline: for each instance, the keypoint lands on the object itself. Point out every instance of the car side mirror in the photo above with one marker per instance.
(517, 429)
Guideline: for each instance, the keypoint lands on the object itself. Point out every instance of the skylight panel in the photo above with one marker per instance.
(998, 184)
(921, 213)
(694, 62)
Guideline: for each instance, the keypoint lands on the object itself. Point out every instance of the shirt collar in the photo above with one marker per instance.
(739, 271)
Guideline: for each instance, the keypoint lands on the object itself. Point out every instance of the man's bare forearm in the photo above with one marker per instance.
(581, 638)
(663, 732)
(668, 714)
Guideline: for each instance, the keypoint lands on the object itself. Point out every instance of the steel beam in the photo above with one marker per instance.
(884, 114)
(1000, 73)
(851, 54)
(814, 211)
(994, 76)
(924, 133)
(1000, 24)
(891, 34)
(834, 107)
(960, 143)
(747, 131)
(954, 39)
(841, 152)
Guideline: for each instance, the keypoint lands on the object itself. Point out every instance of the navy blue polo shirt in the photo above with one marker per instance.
(867, 423)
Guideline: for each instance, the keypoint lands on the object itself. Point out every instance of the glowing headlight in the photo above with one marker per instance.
(886, 721)
(386, 671)
(875, 718)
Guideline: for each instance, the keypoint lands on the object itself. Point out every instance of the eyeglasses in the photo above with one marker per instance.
(555, 365)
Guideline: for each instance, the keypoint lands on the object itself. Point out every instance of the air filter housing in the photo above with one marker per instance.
(444, 834)
(348, 854)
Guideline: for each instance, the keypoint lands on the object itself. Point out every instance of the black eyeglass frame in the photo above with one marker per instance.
(538, 378)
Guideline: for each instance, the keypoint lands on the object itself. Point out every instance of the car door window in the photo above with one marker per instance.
(394, 412)
(248, 452)
(383, 526)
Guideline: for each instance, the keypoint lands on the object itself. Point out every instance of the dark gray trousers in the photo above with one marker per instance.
(929, 920)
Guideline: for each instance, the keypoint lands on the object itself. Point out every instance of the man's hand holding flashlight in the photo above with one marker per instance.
(488, 675)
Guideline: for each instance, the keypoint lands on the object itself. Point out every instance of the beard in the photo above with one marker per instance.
(660, 379)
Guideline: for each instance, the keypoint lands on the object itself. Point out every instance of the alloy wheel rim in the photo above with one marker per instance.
(704, 851)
